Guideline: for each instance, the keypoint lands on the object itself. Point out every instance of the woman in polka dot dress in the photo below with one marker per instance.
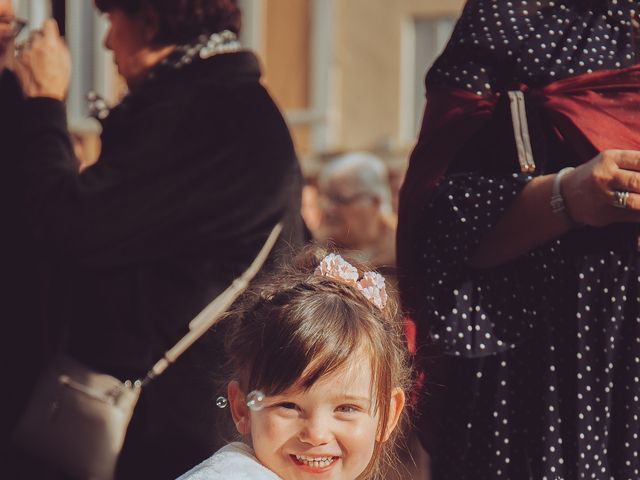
(519, 243)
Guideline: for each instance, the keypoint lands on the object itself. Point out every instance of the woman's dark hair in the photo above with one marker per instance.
(181, 21)
(298, 327)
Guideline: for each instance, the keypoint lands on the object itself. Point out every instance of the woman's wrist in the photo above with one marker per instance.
(558, 200)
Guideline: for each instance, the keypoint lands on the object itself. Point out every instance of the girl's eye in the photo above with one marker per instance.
(348, 409)
(288, 405)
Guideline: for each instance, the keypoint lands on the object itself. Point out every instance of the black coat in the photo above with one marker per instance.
(196, 167)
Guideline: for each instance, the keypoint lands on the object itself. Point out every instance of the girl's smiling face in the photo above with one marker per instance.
(326, 432)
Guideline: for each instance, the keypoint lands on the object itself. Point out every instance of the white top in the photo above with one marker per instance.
(235, 461)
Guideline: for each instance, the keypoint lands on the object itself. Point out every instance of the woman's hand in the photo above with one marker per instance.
(589, 190)
(44, 65)
(589, 195)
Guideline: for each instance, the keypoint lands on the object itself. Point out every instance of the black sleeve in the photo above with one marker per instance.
(79, 214)
(159, 188)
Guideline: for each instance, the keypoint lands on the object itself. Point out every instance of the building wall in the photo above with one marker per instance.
(285, 57)
(370, 58)
(356, 97)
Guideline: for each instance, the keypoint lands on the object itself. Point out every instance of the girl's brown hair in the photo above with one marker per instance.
(295, 328)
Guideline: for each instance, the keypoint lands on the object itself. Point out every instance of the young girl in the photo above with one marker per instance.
(319, 373)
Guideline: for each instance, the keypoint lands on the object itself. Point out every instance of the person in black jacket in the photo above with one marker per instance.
(197, 166)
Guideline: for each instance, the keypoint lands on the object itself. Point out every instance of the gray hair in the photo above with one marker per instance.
(365, 171)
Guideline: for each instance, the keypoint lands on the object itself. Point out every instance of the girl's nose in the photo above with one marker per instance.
(315, 431)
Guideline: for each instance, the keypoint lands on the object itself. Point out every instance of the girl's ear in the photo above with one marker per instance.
(239, 410)
(396, 405)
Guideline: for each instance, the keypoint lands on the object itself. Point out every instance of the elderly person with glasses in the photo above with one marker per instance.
(355, 204)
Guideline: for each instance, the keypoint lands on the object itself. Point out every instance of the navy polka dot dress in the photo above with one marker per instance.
(542, 354)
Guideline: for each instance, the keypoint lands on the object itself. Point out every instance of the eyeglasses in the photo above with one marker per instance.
(342, 200)
(11, 26)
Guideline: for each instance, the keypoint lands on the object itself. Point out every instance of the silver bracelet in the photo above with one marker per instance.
(557, 200)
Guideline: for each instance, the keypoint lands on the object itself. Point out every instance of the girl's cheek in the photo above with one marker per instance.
(357, 429)
(364, 430)
(274, 425)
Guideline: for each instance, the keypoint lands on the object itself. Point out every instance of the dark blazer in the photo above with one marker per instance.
(196, 167)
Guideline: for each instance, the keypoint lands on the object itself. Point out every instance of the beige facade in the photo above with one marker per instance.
(363, 92)
(373, 36)
(285, 56)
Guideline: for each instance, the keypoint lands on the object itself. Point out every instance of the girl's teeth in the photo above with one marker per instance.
(316, 462)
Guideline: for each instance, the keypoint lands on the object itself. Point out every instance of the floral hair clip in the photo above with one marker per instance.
(371, 284)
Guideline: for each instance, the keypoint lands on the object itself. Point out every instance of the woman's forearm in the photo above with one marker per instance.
(589, 194)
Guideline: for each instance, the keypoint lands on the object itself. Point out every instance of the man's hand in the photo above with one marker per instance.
(44, 65)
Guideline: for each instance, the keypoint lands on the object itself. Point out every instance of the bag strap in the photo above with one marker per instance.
(213, 312)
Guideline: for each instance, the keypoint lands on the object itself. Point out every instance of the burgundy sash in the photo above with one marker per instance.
(589, 113)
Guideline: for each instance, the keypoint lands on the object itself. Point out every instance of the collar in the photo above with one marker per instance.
(203, 48)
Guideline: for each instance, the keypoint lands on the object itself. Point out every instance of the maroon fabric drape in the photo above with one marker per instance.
(589, 113)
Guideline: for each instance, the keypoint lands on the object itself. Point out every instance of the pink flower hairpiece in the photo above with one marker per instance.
(371, 284)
